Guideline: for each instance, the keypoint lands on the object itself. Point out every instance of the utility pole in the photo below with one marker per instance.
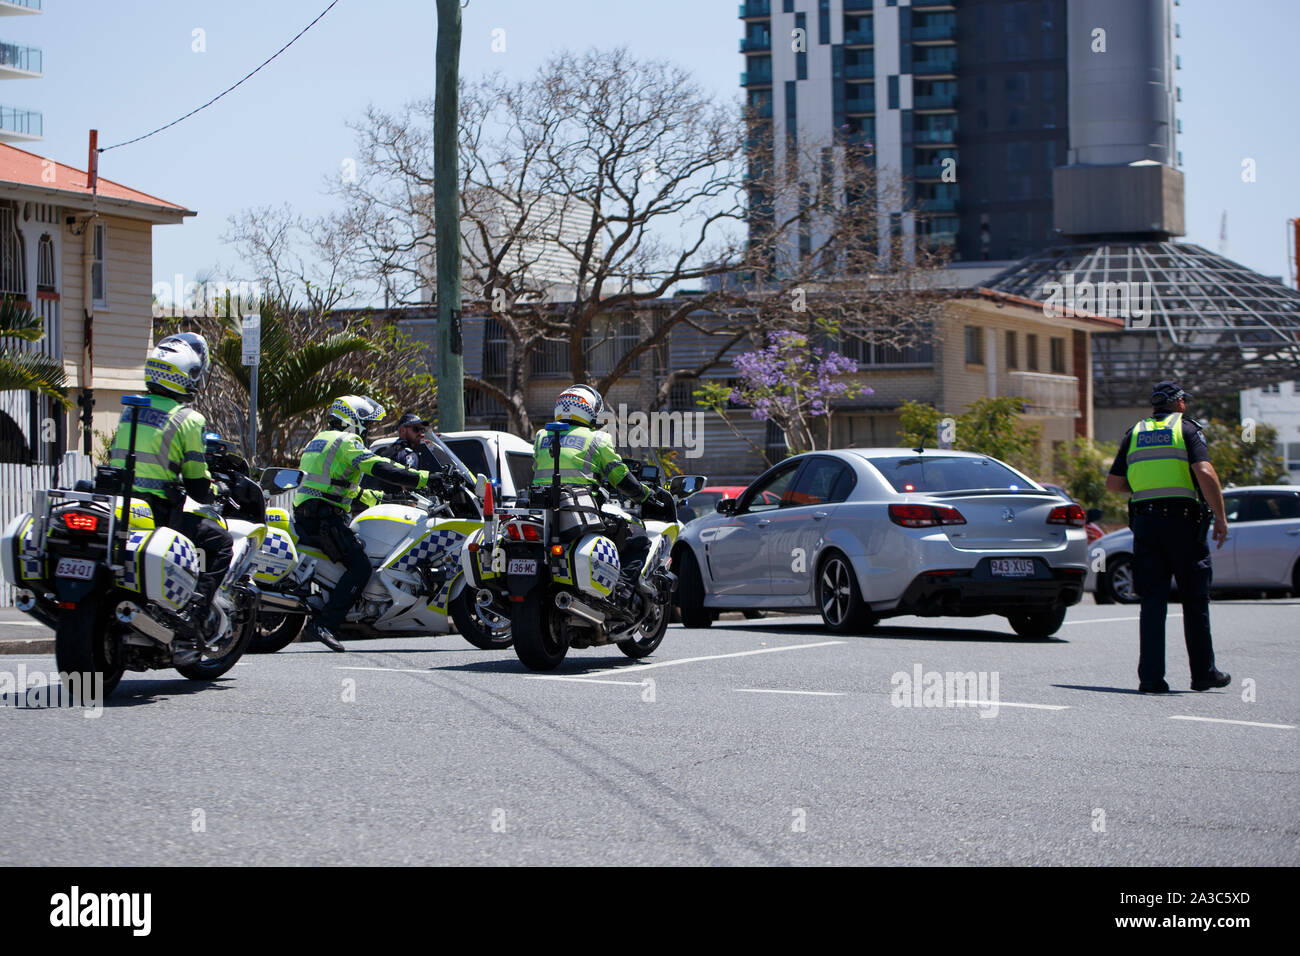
(446, 218)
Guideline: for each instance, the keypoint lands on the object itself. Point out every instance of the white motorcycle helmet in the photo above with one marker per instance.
(178, 366)
(355, 414)
(580, 404)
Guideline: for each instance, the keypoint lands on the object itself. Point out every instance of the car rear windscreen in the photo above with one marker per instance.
(934, 473)
(470, 451)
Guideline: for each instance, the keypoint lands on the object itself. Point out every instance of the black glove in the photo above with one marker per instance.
(663, 497)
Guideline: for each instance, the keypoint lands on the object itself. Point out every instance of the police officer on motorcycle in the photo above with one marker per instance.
(170, 463)
(588, 458)
(333, 463)
(1164, 462)
(409, 450)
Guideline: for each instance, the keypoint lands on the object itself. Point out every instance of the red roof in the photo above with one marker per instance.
(28, 169)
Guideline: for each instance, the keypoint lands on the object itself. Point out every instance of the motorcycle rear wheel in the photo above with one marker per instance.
(538, 643)
(275, 631)
(87, 641)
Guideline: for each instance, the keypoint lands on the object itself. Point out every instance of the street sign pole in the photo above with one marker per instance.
(252, 355)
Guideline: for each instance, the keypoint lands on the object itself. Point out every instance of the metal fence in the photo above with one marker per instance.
(17, 482)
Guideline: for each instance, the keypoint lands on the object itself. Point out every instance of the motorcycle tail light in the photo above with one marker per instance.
(531, 532)
(1072, 515)
(80, 521)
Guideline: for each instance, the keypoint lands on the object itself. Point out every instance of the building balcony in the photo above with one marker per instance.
(860, 106)
(859, 37)
(935, 33)
(927, 171)
(1046, 394)
(756, 78)
(755, 8)
(860, 71)
(762, 110)
(938, 204)
(858, 6)
(935, 101)
(755, 44)
(932, 137)
(19, 7)
(19, 61)
(20, 126)
(933, 5)
(941, 62)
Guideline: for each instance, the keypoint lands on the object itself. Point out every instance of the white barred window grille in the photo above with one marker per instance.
(12, 281)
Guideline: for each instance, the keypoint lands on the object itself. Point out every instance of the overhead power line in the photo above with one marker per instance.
(228, 89)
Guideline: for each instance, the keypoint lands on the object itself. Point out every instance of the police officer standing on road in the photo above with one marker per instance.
(1164, 462)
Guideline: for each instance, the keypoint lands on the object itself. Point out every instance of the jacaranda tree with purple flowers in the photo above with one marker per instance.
(790, 382)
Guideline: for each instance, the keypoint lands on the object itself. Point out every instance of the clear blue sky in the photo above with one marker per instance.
(127, 66)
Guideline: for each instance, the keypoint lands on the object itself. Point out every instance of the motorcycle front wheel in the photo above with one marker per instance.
(275, 631)
(469, 622)
(539, 641)
(215, 667)
(88, 642)
(648, 643)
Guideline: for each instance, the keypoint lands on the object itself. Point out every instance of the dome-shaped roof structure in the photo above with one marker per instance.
(1212, 323)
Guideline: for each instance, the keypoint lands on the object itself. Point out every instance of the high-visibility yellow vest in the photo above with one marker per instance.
(168, 445)
(587, 457)
(1157, 460)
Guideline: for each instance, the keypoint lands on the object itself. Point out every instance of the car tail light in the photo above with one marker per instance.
(924, 516)
(1067, 514)
(80, 521)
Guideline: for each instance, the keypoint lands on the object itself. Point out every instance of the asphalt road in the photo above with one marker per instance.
(756, 742)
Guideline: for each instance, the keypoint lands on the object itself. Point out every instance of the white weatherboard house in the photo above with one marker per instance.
(85, 264)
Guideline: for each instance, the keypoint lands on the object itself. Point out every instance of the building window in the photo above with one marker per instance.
(1031, 352)
(98, 266)
(607, 341)
(893, 92)
(1013, 360)
(12, 263)
(974, 345)
(1058, 356)
(1274, 389)
(823, 21)
(801, 58)
(46, 280)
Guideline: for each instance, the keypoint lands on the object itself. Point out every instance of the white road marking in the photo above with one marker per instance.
(637, 669)
(586, 680)
(1243, 723)
(24, 624)
(1006, 703)
(1111, 620)
(772, 690)
(391, 670)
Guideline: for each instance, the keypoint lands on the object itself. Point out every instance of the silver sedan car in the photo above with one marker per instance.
(1262, 552)
(861, 534)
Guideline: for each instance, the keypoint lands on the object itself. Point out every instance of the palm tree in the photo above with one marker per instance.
(25, 370)
(299, 375)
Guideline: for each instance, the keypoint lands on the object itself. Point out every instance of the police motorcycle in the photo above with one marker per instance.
(90, 564)
(413, 542)
(550, 566)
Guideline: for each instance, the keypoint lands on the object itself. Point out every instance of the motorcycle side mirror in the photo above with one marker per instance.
(683, 486)
(276, 480)
(1092, 515)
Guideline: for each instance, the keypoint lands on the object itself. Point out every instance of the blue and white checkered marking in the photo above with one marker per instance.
(127, 577)
(180, 571)
(605, 565)
(275, 556)
(31, 566)
(438, 543)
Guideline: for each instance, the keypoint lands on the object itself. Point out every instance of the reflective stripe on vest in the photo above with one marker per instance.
(156, 429)
(319, 481)
(1157, 460)
(577, 454)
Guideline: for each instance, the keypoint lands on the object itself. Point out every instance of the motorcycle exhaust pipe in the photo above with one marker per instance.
(131, 614)
(273, 601)
(567, 602)
(24, 600)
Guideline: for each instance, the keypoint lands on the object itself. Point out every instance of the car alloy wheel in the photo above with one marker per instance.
(1121, 583)
(835, 593)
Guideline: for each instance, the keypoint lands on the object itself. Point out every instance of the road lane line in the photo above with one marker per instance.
(1109, 620)
(772, 690)
(1243, 723)
(391, 670)
(585, 680)
(638, 668)
(1006, 703)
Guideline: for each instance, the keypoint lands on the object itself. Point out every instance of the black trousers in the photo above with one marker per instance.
(1165, 545)
(326, 527)
(207, 535)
